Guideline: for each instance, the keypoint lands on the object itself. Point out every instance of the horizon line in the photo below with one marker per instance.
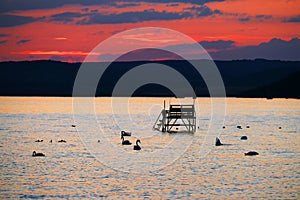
(162, 60)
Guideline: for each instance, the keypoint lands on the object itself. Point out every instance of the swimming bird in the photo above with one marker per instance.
(125, 133)
(39, 141)
(251, 153)
(62, 141)
(137, 147)
(50, 141)
(244, 137)
(218, 142)
(35, 154)
(73, 125)
(247, 126)
(125, 142)
(239, 127)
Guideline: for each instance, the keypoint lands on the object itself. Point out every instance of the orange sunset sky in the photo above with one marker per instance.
(68, 30)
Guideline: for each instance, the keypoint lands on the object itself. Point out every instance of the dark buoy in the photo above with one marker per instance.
(239, 127)
(251, 153)
(223, 126)
(218, 142)
(244, 137)
(34, 154)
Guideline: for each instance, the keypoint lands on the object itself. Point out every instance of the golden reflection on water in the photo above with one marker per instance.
(70, 171)
(64, 104)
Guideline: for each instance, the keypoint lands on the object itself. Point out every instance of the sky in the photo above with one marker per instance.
(67, 30)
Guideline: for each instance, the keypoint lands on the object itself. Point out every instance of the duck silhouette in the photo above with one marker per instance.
(124, 133)
(136, 146)
(35, 154)
(125, 142)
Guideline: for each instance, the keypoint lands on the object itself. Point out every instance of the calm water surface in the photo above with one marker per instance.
(69, 170)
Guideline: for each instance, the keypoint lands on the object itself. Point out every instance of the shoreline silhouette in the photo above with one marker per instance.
(242, 78)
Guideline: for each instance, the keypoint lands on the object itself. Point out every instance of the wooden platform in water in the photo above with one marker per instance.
(177, 116)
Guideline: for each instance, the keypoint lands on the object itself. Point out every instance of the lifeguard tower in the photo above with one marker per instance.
(178, 118)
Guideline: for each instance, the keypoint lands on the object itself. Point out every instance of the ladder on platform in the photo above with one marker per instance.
(177, 116)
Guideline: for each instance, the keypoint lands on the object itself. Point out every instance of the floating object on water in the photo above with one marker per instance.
(64, 141)
(98, 141)
(279, 127)
(39, 140)
(251, 153)
(125, 142)
(218, 142)
(136, 146)
(239, 127)
(124, 133)
(224, 127)
(247, 126)
(244, 137)
(73, 125)
(50, 141)
(35, 154)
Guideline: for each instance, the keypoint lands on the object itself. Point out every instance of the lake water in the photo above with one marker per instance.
(85, 168)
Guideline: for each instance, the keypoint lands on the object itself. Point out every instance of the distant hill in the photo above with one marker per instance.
(287, 87)
(242, 78)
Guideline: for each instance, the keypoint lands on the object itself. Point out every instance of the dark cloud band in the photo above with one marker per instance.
(22, 42)
(12, 5)
(14, 20)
